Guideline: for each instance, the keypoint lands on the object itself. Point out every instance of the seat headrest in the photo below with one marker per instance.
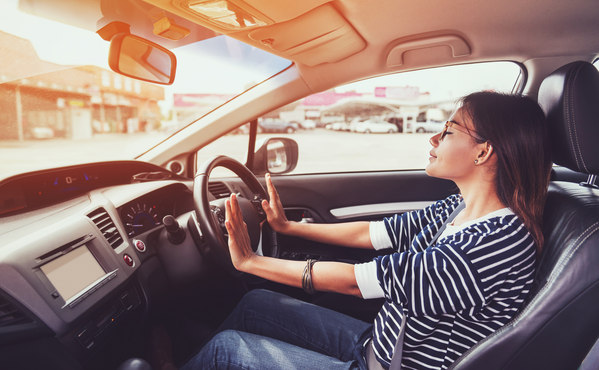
(570, 98)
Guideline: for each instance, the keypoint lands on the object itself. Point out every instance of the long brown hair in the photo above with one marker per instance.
(515, 127)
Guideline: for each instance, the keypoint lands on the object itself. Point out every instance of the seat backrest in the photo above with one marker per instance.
(560, 322)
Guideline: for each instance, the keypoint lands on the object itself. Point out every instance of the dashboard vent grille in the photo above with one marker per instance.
(101, 218)
(219, 190)
(11, 315)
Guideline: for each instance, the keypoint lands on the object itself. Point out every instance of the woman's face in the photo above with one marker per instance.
(453, 154)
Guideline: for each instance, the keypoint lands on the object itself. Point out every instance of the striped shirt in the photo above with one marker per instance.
(451, 294)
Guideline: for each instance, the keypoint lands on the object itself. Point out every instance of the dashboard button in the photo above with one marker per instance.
(139, 245)
(128, 260)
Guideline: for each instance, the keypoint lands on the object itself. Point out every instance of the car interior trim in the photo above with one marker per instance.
(449, 46)
(377, 209)
(310, 41)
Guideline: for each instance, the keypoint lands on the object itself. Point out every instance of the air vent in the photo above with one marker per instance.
(218, 189)
(10, 315)
(101, 218)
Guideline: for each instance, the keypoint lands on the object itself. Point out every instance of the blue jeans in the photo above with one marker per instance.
(268, 330)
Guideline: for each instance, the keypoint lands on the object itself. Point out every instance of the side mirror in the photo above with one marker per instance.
(276, 155)
(142, 59)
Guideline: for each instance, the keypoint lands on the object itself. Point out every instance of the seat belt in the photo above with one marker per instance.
(397, 351)
(451, 217)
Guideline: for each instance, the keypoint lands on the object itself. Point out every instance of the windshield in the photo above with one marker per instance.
(60, 104)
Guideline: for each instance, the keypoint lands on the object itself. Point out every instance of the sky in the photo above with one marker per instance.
(43, 33)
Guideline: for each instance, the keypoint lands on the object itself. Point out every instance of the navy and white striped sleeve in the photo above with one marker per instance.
(367, 281)
(435, 281)
(402, 228)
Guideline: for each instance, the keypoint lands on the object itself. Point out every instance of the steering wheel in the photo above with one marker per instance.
(211, 214)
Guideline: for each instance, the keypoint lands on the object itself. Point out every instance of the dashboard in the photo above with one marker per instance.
(82, 247)
(30, 191)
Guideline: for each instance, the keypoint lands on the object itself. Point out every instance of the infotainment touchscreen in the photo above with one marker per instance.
(73, 272)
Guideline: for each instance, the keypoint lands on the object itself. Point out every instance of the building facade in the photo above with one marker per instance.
(70, 102)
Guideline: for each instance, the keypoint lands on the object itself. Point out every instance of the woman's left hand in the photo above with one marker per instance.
(239, 239)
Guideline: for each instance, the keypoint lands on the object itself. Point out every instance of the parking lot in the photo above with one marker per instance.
(320, 150)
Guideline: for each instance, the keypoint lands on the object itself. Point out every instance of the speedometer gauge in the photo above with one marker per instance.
(140, 217)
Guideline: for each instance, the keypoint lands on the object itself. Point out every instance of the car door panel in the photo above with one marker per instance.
(345, 197)
(360, 196)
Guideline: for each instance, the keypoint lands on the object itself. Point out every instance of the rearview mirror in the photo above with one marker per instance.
(142, 59)
(276, 155)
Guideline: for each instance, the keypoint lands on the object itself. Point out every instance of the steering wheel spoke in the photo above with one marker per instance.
(257, 203)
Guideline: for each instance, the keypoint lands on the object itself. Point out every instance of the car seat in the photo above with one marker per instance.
(560, 322)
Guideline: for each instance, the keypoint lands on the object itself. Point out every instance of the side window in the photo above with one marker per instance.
(382, 123)
(378, 124)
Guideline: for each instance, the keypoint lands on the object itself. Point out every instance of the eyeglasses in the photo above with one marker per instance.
(456, 126)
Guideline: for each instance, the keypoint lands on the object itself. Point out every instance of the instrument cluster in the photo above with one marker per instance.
(146, 212)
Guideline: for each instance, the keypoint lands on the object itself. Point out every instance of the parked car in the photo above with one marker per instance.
(428, 126)
(276, 125)
(354, 122)
(374, 125)
(308, 124)
(112, 247)
(338, 126)
(397, 121)
(327, 119)
(41, 132)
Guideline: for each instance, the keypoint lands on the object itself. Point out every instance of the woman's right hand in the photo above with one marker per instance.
(274, 209)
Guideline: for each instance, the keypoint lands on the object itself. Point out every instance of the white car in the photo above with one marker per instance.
(428, 126)
(41, 132)
(338, 126)
(308, 124)
(374, 126)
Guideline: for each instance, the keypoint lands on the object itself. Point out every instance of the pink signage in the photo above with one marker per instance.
(397, 92)
(328, 98)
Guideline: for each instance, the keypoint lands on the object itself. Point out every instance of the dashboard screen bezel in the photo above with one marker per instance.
(109, 271)
(74, 272)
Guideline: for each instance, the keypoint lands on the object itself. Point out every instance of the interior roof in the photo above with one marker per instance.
(529, 32)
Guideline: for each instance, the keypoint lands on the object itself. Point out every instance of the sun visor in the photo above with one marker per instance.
(319, 36)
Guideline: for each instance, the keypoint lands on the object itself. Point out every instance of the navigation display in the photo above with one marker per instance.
(73, 272)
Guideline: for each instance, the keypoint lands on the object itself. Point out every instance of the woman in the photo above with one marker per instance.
(443, 293)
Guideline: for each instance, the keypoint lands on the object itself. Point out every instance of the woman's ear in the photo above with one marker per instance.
(485, 153)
